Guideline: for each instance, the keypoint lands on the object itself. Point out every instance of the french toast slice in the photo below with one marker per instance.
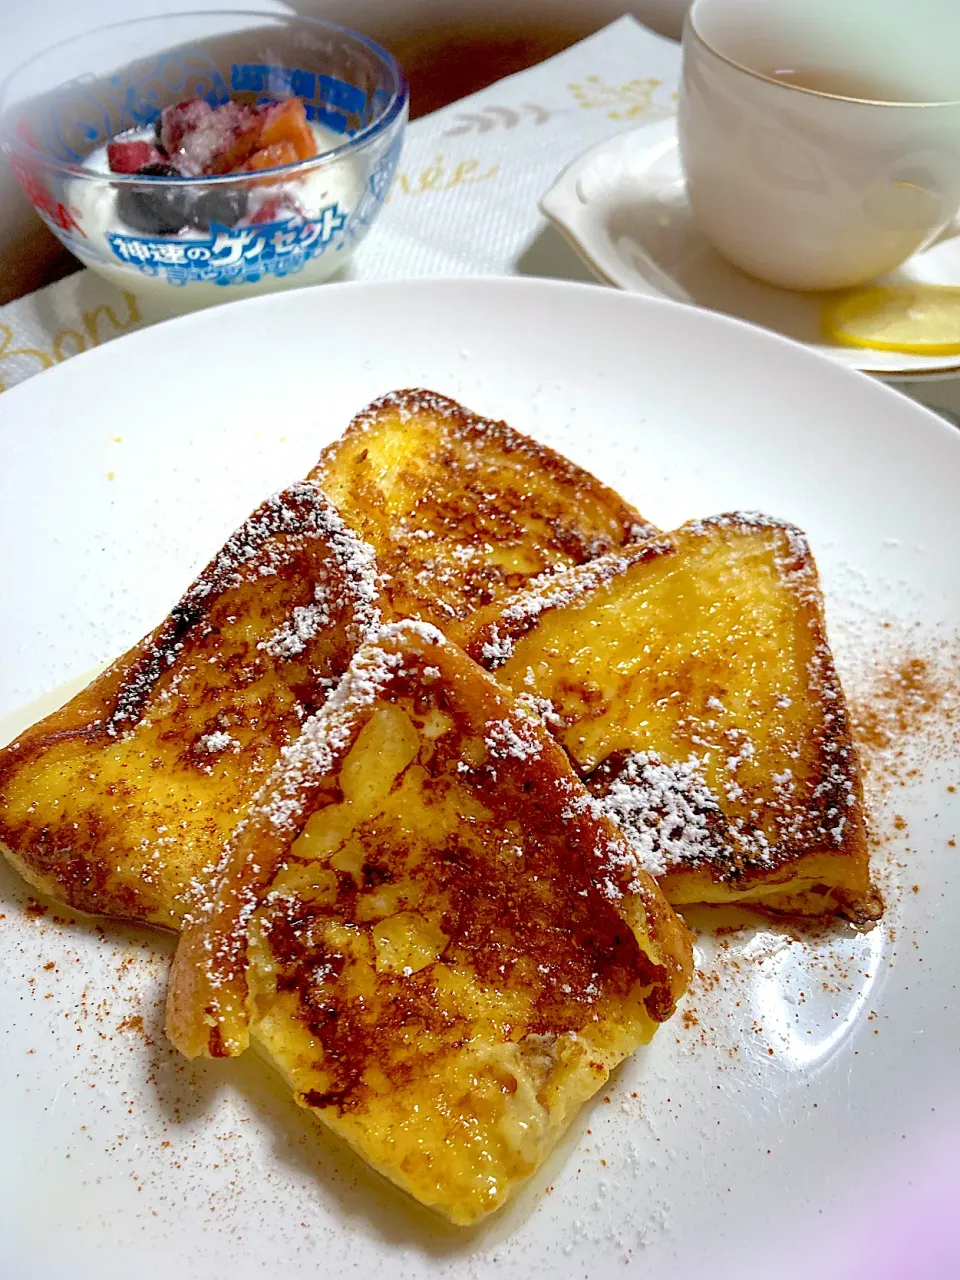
(431, 929)
(692, 684)
(120, 802)
(461, 510)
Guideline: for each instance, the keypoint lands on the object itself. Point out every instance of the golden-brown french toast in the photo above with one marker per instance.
(431, 929)
(120, 802)
(461, 510)
(691, 682)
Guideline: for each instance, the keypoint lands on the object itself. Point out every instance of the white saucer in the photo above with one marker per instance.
(623, 205)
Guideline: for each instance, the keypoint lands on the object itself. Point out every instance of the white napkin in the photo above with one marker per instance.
(464, 201)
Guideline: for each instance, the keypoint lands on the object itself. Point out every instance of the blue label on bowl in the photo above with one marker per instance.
(339, 105)
(88, 112)
(234, 255)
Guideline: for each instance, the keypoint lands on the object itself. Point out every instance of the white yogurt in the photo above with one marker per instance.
(150, 265)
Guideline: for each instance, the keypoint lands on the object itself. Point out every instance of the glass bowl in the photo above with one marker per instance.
(291, 225)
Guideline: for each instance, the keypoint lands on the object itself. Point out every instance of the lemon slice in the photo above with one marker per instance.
(923, 320)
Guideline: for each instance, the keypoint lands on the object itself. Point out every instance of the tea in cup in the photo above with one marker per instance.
(820, 139)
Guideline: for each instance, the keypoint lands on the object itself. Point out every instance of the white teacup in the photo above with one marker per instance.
(820, 139)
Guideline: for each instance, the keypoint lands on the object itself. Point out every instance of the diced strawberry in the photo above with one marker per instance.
(180, 119)
(271, 209)
(201, 139)
(286, 121)
(128, 157)
(222, 141)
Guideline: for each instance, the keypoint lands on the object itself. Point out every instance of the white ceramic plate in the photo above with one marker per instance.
(623, 205)
(747, 1143)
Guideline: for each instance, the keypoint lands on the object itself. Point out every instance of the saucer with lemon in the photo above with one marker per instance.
(624, 207)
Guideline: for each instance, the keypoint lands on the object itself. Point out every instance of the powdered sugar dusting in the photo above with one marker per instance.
(618, 866)
(327, 733)
(497, 650)
(406, 627)
(664, 810)
(517, 737)
(356, 563)
(307, 621)
(543, 708)
(324, 736)
(212, 743)
(260, 548)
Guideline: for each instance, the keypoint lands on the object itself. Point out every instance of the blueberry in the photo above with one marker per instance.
(226, 205)
(160, 170)
(157, 208)
(164, 209)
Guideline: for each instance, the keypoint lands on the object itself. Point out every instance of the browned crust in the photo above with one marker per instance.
(208, 1007)
(578, 516)
(492, 633)
(270, 562)
(117, 698)
(475, 429)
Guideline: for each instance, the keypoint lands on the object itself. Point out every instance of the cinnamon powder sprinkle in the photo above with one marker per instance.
(906, 713)
(905, 716)
(901, 700)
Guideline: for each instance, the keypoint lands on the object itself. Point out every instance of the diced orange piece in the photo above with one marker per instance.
(287, 122)
(238, 128)
(273, 156)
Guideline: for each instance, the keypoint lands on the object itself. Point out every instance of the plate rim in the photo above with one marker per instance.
(125, 344)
